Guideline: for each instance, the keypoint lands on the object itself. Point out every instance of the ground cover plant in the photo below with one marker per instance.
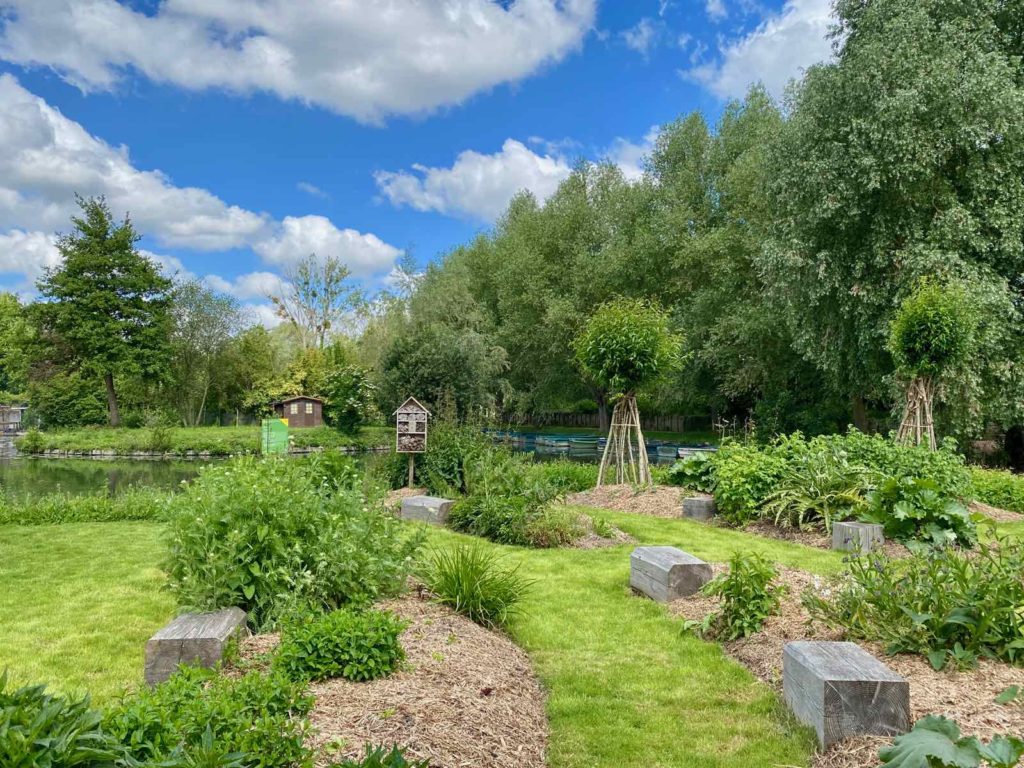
(269, 537)
(354, 644)
(473, 581)
(51, 509)
(998, 488)
(935, 742)
(950, 605)
(748, 597)
(918, 513)
(383, 757)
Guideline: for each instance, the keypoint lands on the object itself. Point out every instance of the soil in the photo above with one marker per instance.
(815, 539)
(466, 696)
(995, 513)
(967, 697)
(659, 501)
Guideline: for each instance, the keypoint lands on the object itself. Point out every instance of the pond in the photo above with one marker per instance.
(587, 447)
(23, 476)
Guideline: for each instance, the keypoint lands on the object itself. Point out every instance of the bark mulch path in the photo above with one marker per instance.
(466, 696)
(967, 697)
(659, 501)
(995, 513)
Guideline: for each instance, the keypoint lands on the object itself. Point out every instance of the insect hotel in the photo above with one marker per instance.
(411, 430)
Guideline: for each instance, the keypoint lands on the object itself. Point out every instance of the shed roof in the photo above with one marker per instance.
(409, 402)
(298, 397)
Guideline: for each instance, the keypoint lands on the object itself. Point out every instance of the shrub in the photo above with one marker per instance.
(745, 475)
(555, 527)
(261, 717)
(266, 536)
(998, 488)
(40, 729)
(947, 604)
(451, 447)
(816, 488)
(748, 597)
(696, 472)
(349, 396)
(472, 581)
(935, 742)
(382, 757)
(31, 442)
(355, 645)
(565, 476)
(915, 511)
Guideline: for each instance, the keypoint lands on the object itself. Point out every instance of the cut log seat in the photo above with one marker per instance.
(192, 638)
(427, 509)
(699, 508)
(841, 690)
(857, 537)
(666, 573)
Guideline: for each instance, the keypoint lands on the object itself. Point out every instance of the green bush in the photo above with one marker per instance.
(382, 757)
(916, 512)
(745, 476)
(31, 442)
(56, 508)
(38, 729)
(555, 527)
(266, 536)
(566, 476)
(935, 742)
(354, 644)
(261, 717)
(451, 447)
(748, 597)
(696, 472)
(948, 604)
(472, 581)
(998, 488)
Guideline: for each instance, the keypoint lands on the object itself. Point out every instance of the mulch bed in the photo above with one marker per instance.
(659, 501)
(816, 539)
(967, 697)
(995, 513)
(466, 696)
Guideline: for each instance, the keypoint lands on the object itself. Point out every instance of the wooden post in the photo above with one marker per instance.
(412, 469)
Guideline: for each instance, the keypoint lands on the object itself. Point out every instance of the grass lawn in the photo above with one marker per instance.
(78, 601)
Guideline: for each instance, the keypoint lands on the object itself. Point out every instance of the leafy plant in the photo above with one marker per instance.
(565, 476)
(916, 511)
(382, 757)
(935, 742)
(472, 581)
(696, 471)
(748, 597)
(745, 476)
(816, 488)
(353, 644)
(268, 535)
(947, 604)
(450, 449)
(998, 488)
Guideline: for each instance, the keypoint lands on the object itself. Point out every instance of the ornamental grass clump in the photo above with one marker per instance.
(268, 536)
(473, 581)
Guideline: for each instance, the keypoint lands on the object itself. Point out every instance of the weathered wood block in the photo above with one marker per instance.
(192, 638)
(699, 508)
(841, 690)
(666, 573)
(857, 537)
(429, 509)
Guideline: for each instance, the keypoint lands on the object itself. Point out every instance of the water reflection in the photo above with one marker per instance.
(23, 476)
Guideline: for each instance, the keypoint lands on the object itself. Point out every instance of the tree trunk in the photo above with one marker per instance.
(112, 412)
(602, 411)
(859, 413)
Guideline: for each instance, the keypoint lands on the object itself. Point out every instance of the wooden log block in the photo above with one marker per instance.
(428, 509)
(666, 573)
(699, 508)
(857, 537)
(841, 690)
(192, 638)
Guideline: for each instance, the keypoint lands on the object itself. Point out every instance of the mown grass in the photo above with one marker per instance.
(78, 602)
(626, 689)
(179, 441)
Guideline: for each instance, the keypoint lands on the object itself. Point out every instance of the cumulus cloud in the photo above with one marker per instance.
(630, 156)
(252, 285)
(777, 51)
(27, 253)
(299, 236)
(260, 314)
(641, 37)
(366, 60)
(715, 9)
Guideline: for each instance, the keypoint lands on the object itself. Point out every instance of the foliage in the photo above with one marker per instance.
(67, 399)
(357, 645)
(696, 471)
(451, 448)
(262, 717)
(566, 476)
(265, 536)
(932, 330)
(316, 298)
(935, 742)
(349, 398)
(58, 508)
(381, 757)
(948, 604)
(38, 730)
(555, 526)
(998, 488)
(917, 511)
(748, 597)
(745, 476)
(627, 344)
(472, 580)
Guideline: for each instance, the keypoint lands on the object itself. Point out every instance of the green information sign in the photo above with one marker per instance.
(275, 436)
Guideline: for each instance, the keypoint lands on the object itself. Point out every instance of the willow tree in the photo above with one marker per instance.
(626, 345)
(930, 337)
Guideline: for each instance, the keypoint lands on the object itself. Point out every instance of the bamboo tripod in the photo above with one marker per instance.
(918, 426)
(625, 449)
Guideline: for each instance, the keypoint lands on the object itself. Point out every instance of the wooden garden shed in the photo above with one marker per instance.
(301, 411)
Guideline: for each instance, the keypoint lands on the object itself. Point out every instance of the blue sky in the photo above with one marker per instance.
(241, 136)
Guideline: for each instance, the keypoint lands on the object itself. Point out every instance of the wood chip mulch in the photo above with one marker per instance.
(995, 513)
(816, 539)
(967, 697)
(660, 501)
(466, 696)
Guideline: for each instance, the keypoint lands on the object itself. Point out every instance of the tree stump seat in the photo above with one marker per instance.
(857, 537)
(427, 509)
(666, 573)
(699, 508)
(192, 638)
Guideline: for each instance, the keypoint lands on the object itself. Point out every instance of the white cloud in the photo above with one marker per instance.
(252, 285)
(715, 9)
(630, 156)
(299, 236)
(27, 253)
(364, 59)
(476, 185)
(777, 51)
(310, 189)
(260, 314)
(641, 37)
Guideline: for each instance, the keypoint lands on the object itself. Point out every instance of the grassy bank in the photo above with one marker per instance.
(179, 441)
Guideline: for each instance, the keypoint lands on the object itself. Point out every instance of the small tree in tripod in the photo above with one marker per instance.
(931, 335)
(627, 344)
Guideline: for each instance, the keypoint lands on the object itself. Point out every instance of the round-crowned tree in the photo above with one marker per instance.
(627, 345)
(931, 335)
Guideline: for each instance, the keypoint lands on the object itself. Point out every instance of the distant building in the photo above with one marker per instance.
(301, 411)
(10, 418)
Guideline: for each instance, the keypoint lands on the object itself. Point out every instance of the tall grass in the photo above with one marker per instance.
(472, 580)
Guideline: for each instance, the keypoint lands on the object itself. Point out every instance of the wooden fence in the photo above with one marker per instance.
(671, 423)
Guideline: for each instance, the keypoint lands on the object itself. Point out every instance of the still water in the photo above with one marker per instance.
(22, 476)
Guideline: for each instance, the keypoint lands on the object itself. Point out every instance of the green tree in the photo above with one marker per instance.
(109, 303)
(15, 340)
(902, 158)
(318, 299)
